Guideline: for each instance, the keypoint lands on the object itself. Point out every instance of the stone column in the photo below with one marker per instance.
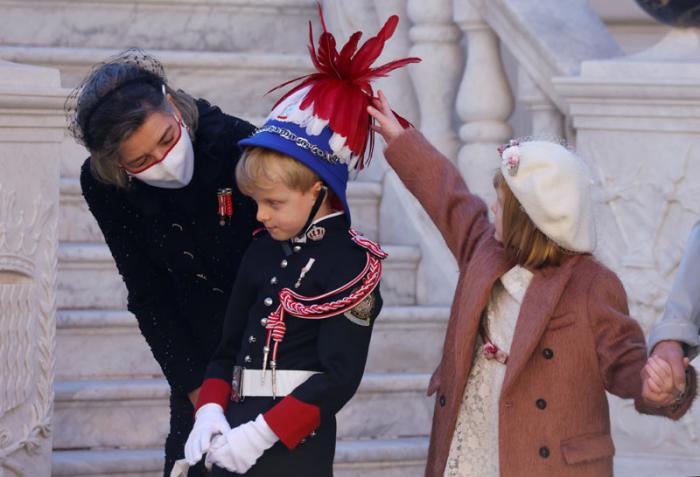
(31, 127)
(484, 103)
(547, 120)
(637, 121)
(436, 40)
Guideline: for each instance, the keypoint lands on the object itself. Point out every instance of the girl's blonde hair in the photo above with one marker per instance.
(521, 237)
(258, 163)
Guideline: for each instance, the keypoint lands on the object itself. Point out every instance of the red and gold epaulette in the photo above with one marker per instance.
(369, 245)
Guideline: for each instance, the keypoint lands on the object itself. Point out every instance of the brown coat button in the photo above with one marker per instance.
(547, 353)
(544, 452)
(541, 404)
(442, 401)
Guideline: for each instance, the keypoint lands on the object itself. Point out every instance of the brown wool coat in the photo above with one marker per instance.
(573, 340)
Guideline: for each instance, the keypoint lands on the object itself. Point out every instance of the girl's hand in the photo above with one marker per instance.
(658, 385)
(386, 123)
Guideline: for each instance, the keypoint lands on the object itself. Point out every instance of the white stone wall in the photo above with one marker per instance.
(30, 128)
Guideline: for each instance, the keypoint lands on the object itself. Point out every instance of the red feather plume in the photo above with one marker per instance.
(340, 89)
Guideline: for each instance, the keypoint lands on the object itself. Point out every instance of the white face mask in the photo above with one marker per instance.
(174, 170)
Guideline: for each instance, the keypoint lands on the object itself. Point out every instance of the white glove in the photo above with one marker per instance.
(238, 449)
(209, 421)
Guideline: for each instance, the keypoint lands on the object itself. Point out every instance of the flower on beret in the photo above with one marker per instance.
(510, 156)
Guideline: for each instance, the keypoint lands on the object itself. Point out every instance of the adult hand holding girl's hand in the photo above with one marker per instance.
(659, 385)
(386, 122)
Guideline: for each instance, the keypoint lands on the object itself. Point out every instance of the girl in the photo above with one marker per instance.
(539, 329)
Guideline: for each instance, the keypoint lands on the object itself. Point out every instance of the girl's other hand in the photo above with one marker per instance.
(385, 123)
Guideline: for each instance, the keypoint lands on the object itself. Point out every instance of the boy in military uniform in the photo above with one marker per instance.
(298, 325)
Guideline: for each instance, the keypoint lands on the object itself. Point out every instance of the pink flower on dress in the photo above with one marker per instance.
(491, 351)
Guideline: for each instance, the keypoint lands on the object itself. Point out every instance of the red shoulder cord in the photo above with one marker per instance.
(291, 303)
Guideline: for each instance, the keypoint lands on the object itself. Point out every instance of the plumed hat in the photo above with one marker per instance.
(323, 121)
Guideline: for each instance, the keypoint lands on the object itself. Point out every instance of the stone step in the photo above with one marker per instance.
(77, 225)
(408, 339)
(112, 341)
(200, 25)
(134, 413)
(405, 339)
(365, 458)
(88, 278)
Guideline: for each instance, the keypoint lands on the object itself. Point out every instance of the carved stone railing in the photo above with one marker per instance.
(402, 220)
(532, 31)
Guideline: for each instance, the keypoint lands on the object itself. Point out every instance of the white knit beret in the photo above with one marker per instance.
(554, 187)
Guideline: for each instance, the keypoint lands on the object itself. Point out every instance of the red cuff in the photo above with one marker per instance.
(214, 390)
(293, 420)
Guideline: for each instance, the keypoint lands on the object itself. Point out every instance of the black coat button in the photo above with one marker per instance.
(547, 353)
(544, 452)
(541, 404)
(442, 401)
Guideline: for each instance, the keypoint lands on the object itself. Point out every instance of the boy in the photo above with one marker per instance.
(298, 325)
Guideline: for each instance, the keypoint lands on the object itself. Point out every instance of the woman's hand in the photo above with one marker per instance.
(386, 123)
(672, 353)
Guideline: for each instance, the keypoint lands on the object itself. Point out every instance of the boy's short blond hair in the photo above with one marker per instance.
(258, 163)
(519, 234)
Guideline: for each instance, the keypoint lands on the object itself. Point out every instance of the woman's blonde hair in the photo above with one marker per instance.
(258, 163)
(520, 236)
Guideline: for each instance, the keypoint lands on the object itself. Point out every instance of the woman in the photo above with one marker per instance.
(160, 182)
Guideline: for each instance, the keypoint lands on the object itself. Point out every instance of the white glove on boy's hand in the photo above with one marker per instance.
(209, 421)
(238, 449)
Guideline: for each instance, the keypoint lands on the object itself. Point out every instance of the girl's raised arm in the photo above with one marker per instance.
(460, 215)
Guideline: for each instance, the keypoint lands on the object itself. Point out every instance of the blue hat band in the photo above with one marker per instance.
(301, 142)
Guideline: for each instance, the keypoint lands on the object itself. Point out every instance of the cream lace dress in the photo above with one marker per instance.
(474, 447)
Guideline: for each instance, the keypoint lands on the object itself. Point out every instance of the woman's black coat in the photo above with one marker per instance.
(177, 261)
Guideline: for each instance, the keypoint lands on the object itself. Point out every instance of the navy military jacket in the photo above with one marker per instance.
(335, 346)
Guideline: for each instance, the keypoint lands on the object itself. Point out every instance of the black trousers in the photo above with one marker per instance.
(181, 422)
(312, 458)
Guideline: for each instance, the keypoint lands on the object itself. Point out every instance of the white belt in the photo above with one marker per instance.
(251, 383)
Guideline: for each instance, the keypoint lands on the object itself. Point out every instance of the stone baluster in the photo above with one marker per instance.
(403, 98)
(547, 120)
(484, 102)
(436, 40)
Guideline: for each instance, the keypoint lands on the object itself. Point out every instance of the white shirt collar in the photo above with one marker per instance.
(515, 281)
